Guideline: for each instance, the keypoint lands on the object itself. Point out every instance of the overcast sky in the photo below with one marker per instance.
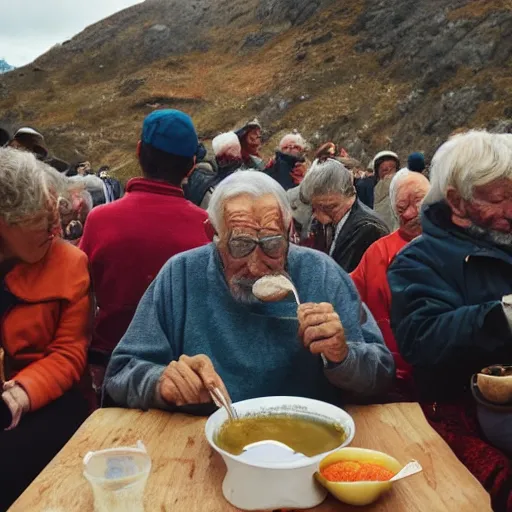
(28, 28)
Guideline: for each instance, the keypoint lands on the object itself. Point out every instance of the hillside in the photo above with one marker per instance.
(5, 66)
(368, 74)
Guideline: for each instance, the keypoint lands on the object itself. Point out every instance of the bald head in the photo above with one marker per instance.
(407, 191)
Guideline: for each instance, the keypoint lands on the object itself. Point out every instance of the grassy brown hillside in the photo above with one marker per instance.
(371, 75)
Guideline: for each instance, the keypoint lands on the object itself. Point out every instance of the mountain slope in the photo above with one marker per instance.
(5, 66)
(368, 74)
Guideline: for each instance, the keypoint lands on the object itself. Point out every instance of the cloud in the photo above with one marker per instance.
(28, 28)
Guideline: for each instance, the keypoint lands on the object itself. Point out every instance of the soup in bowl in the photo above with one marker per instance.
(273, 450)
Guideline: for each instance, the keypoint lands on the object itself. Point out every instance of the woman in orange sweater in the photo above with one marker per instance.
(45, 313)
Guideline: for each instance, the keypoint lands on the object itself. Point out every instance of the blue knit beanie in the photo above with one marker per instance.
(416, 162)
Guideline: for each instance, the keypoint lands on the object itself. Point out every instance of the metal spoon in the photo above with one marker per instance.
(273, 288)
(221, 401)
(276, 287)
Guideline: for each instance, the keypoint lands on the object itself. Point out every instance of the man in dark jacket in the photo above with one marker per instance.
(289, 165)
(344, 227)
(451, 295)
(207, 175)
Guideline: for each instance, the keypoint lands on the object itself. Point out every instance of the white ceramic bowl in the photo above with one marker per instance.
(270, 477)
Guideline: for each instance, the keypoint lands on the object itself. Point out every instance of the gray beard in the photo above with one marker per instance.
(490, 235)
(241, 290)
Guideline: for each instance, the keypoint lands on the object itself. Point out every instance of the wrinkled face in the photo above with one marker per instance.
(253, 141)
(409, 197)
(491, 210)
(330, 208)
(29, 241)
(253, 243)
(387, 168)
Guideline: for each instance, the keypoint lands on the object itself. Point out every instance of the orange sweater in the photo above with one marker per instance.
(45, 336)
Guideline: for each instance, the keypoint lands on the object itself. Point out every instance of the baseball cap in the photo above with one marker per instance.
(32, 140)
(171, 131)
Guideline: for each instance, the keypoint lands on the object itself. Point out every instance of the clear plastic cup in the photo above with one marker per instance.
(118, 478)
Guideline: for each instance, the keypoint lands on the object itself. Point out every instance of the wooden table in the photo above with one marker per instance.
(187, 474)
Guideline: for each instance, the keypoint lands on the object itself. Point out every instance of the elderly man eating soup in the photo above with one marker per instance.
(199, 325)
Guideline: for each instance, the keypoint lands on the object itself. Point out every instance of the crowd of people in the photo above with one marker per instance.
(142, 297)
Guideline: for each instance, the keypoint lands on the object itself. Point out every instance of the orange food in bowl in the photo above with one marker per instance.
(354, 471)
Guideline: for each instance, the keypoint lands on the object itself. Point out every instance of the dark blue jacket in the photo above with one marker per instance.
(364, 188)
(281, 168)
(446, 309)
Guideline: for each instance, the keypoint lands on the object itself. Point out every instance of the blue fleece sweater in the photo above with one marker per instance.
(255, 349)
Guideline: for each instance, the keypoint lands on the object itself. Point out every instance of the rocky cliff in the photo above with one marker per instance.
(368, 74)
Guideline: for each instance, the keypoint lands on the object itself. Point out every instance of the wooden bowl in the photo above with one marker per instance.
(495, 384)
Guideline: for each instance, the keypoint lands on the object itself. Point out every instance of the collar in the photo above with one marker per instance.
(339, 227)
(154, 187)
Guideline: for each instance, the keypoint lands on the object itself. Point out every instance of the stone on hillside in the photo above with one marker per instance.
(130, 85)
(296, 12)
(257, 40)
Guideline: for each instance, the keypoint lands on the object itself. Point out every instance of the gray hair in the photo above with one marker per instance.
(400, 178)
(296, 138)
(469, 160)
(327, 177)
(253, 183)
(25, 189)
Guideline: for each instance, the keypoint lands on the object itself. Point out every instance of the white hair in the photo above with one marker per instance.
(24, 186)
(469, 160)
(253, 183)
(227, 144)
(327, 177)
(402, 177)
(296, 138)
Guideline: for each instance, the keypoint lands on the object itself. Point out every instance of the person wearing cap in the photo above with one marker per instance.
(416, 163)
(129, 240)
(250, 140)
(385, 164)
(28, 139)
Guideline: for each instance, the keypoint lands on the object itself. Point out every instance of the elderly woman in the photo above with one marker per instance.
(199, 325)
(407, 191)
(45, 314)
(344, 227)
(289, 165)
(452, 296)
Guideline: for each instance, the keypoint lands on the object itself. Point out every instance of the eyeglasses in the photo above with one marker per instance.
(272, 246)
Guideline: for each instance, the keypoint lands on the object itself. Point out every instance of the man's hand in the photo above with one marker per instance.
(298, 172)
(16, 398)
(321, 331)
(188, 381)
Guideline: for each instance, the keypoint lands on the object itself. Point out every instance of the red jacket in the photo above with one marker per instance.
(370, 278)
(128, 241)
